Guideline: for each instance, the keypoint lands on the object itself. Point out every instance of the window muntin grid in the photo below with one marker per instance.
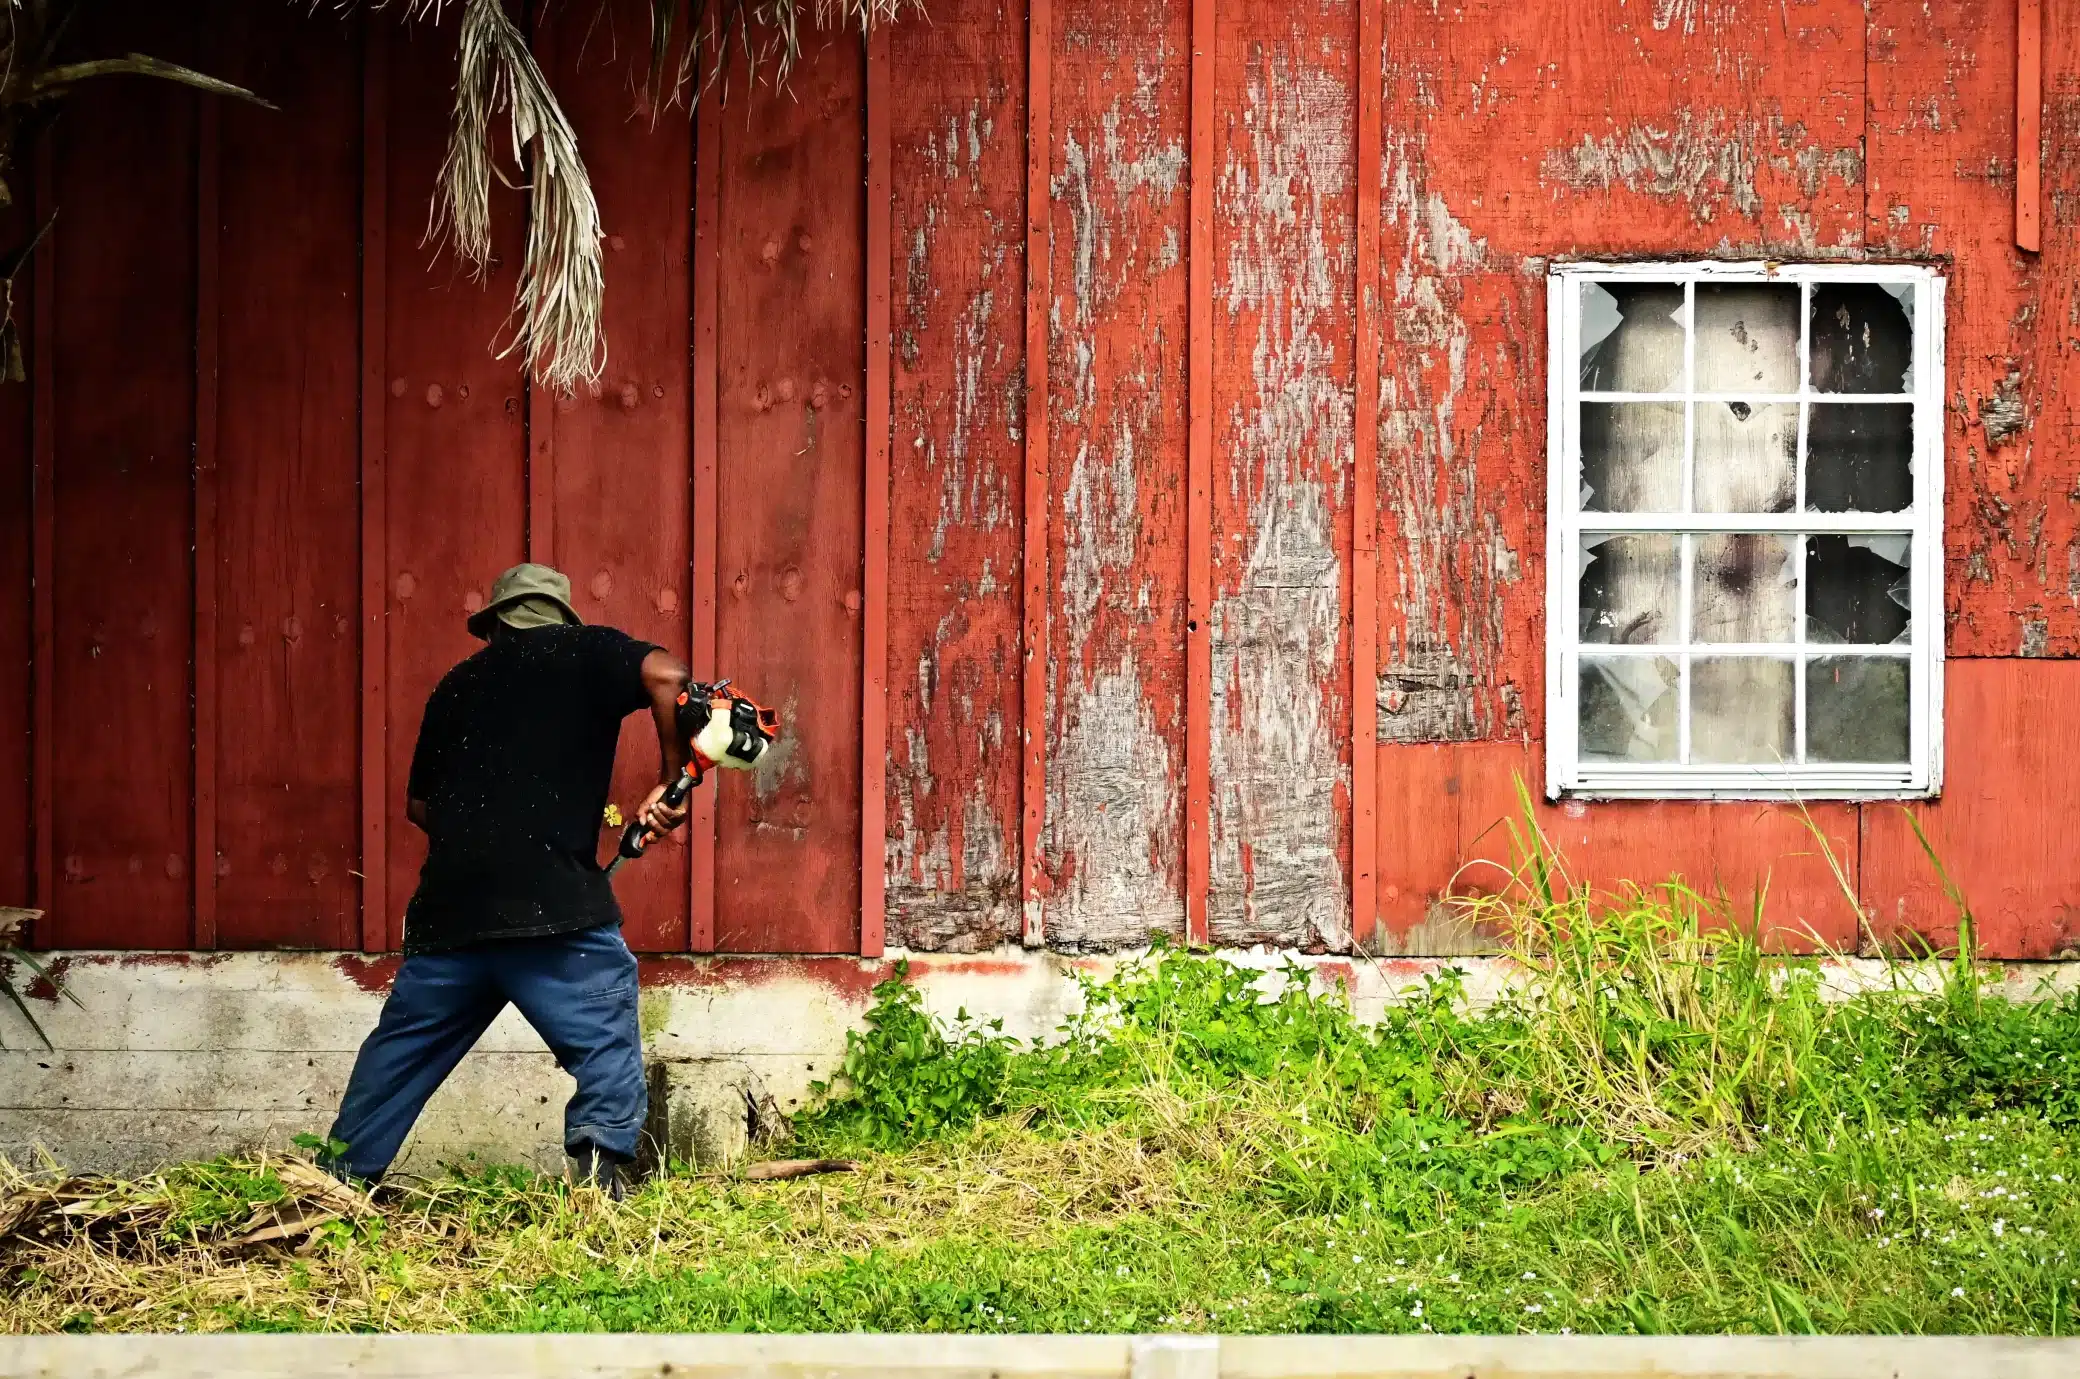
(1798, 464)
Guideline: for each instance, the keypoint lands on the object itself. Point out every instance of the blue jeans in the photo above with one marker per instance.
(577, 990)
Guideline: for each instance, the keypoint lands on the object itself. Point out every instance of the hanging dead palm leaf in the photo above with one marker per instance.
(555, 326)
(556, 323)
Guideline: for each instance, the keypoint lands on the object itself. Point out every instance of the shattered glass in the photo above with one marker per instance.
(1860, 589)
(1631, 589)
(1747, 337)
(1632, 456)
(1862, 338)
(1628, 708)
(1860, 457)
(1743, 711)
(1856, 709)
(1747, 457)
(1644, 357)
(1745, 589)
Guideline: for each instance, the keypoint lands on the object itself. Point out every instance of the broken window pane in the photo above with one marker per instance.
(1632, 456)
(1747, 337)
(1860, 457)
(1631, 589)
(1745, 590)
(1859, 588)
(1863, 338)
(1632, 337)
(1856, 708)
(1628, 709)
(1742, 710)
(1747, 457)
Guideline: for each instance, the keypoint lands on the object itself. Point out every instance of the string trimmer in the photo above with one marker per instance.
(721, 729)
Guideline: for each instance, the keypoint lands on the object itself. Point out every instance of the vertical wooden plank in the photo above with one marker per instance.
(18, 563)
(791, 423)
(1365, 487)
(1198, 709)
(873, 828)
(285, 576)
(610, 487)
(454, 424)
(124, 393)
(43, 538)
(960, 584)
(1038, 482)
(2029, 113)
(1279, 319)
(373, 403)
(204, 706)
(1117, 413)
(704, 274)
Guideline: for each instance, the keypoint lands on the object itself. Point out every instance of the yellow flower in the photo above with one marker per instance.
(613, 816)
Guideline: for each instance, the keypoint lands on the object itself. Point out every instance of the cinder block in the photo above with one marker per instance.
(706, 1114)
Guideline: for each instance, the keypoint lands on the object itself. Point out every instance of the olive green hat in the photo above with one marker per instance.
(525, 596)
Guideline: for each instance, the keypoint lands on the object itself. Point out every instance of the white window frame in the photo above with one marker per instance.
(1566, 774)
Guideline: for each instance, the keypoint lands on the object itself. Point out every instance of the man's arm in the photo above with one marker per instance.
(665, 678)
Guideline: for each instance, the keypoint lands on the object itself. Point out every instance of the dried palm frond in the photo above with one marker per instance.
(555, 327)
(556, 312)
(767, 32)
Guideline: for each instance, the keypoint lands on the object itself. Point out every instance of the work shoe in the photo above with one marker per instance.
(592, 1166)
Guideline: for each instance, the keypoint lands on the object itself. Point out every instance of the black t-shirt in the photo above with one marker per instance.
(515, 759)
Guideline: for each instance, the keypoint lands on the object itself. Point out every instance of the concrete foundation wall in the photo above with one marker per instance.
(171, 1056)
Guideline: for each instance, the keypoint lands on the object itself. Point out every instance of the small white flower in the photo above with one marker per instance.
(1957, 1292)
(2000, 1228)
(1530, 1274)
(1533, 1307)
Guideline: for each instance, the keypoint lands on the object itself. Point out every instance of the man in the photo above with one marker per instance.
(509, 783)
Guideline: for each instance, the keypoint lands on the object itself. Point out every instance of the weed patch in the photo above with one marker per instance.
(1660, 1128)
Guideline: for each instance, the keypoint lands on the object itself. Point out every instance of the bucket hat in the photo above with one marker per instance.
(524, 582)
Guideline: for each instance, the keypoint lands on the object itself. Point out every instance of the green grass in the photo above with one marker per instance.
(1663, 1129)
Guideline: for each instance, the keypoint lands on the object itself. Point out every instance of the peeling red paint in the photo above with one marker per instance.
(372, 974)
(952, 861)
(1114, 837)
(49, 984)
(1284, 325)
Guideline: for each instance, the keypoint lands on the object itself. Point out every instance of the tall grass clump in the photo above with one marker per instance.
(1648, 1025)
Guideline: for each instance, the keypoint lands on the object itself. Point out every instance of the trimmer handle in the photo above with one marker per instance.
(635, 837)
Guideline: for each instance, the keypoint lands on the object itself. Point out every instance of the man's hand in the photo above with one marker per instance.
(659, 818)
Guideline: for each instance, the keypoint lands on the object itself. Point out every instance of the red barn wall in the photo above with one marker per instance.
(266, 461)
